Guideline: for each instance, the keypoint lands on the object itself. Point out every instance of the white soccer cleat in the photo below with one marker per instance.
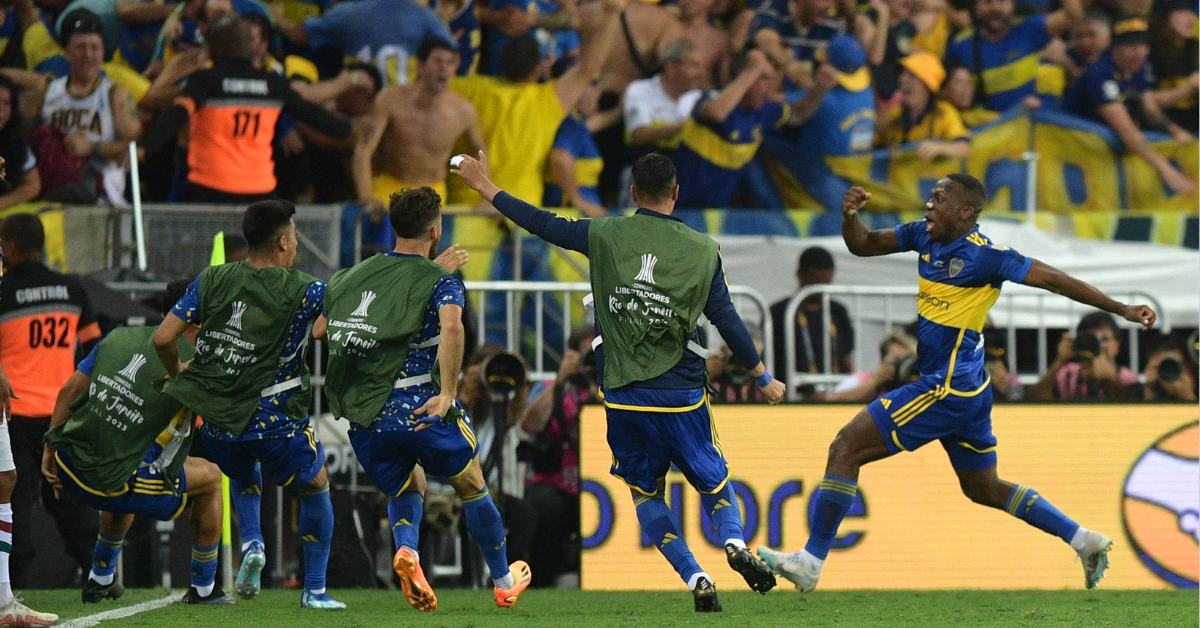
(17, 615)
(1094, 557)
(794, 567)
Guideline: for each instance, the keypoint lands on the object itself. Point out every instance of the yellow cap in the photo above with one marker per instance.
(926, 67)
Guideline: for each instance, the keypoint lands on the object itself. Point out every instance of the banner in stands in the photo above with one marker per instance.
(1131, 472)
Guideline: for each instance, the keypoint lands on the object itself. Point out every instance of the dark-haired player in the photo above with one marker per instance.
(961, 272)
(395, 353)
(652, 277)
(121, 446)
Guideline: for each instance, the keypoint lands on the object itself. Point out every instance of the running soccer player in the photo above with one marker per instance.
(961, 271)
(395, 353)
(249, 381)
(121, 446)
(652, 277)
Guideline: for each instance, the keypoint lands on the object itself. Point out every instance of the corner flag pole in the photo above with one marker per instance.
(139, 233)
(218, 258)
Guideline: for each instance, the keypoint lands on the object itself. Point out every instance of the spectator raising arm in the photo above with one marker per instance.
(1063, 19)
(369, 136)
(1117, 118)
(571, 85)
(718, 109)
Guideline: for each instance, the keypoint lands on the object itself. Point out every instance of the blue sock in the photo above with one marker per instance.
(204, 565)
(483, 520)
(246, 495)
(404, 513)
(316, 534)
(723, 509)
(656, 520)
(1026, 504)
(104, 556)
(834, 497)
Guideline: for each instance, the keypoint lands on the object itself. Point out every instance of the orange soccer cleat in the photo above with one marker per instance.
(507, 598)
(412, 581)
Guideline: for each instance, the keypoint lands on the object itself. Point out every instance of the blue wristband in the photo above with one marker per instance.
(764, 380)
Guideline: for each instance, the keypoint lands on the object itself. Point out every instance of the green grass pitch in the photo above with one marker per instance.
(743, 609)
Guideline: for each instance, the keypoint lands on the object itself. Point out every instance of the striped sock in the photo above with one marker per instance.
(316, 535)
(834, 497)
(1027, 505)
(483, 520)
(204, 568)
(659, 524)
(104, 558)
(6, 595)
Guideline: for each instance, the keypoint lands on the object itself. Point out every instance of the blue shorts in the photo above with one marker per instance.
(925, 410)
(296, 458)
(645, 443)
(443, 450)
(147, 493)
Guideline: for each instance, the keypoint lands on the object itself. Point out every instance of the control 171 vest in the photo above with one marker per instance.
(116, 421)
(374, 311)
(650, 281)
(247, 313)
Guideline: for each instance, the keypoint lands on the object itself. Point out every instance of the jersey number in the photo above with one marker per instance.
(49, 332)
(242, 121)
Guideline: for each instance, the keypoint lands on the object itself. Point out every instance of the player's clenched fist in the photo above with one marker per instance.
(855, 199)
(774, 391)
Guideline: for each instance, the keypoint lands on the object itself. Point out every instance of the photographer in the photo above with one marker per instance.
(1085, 367)
(897, 367)
(1170, 375)
(1005, 385)
(552, 419)
(728, 379)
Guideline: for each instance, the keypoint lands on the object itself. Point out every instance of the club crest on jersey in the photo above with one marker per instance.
(235, 321)
(131, 370)
(647, 272)
(367, 297)
(956, 267)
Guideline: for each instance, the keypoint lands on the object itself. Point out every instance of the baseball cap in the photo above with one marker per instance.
(847, 56)
(1130, 30)
(925, 67)
(79, 21)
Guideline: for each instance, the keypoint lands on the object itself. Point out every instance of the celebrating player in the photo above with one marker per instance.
(120, 445)
(961, 271)
(249, 382)
(652, 277)
(395, 353)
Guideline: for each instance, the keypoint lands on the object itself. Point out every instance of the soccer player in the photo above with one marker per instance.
(652, 277)
(121, 446)
(249, 381)
(395, 353)
(961, 271)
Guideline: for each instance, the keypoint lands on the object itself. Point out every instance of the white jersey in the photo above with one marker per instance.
(91, 115)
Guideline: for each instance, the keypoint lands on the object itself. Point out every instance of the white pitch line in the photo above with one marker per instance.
(118, 613)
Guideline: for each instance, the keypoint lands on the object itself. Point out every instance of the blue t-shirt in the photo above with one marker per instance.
(398, 411)
(494, 40)
(711, 155)
(959, 283)
(574, 137)
(1010, 66)
(269, 420)
(384, 32)
(464, 28)
(1102, 84)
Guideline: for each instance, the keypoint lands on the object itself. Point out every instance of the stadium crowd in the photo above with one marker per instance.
(312, 100)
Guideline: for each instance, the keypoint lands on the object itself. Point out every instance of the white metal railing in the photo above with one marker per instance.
(1018, 307)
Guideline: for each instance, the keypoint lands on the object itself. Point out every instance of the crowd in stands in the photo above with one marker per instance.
(321, 101)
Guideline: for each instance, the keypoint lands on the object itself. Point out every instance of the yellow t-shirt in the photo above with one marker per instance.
(941, 122)
(519, 121)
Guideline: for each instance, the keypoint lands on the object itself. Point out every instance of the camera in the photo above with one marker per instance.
(1169, 370)
(503, 375)
(1086, 347)
(906, 372)
(738, 374)
(586, 376)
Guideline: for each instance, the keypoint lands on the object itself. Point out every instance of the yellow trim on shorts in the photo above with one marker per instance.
(85, 487)
(467, 433)
(183, 504)
(957, 393)
(621, 406)
(638, 489)
(896, 439)
(978, 451)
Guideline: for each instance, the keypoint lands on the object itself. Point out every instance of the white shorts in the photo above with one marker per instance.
(6, 457)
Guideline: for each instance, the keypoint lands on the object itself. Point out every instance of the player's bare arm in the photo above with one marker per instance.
(169, 332)
(364, 148)
(76, 385)
(1046, 277)
(450, 354)
(861, 240)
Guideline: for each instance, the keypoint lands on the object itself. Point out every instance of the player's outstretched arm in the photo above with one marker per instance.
(169, 332)
(861, 240)
(1047, 277)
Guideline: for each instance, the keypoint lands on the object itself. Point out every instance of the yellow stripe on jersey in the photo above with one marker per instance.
(715, 149)
(1012, 75)
(955, 306)
(587, 171)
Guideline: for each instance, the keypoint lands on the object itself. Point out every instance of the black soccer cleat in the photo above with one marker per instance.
(757, 574)
(93, 591)
(216, 597)
(705, 596)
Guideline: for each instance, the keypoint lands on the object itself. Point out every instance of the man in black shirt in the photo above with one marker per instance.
(815, 267)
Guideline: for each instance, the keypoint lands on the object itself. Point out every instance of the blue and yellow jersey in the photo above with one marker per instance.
(1010, 66)
(574, 137)
(940, 121)
(711, 155)
(386, 33)
(465, 30)
(959, 283)
(8, 29)
(1102, 84)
